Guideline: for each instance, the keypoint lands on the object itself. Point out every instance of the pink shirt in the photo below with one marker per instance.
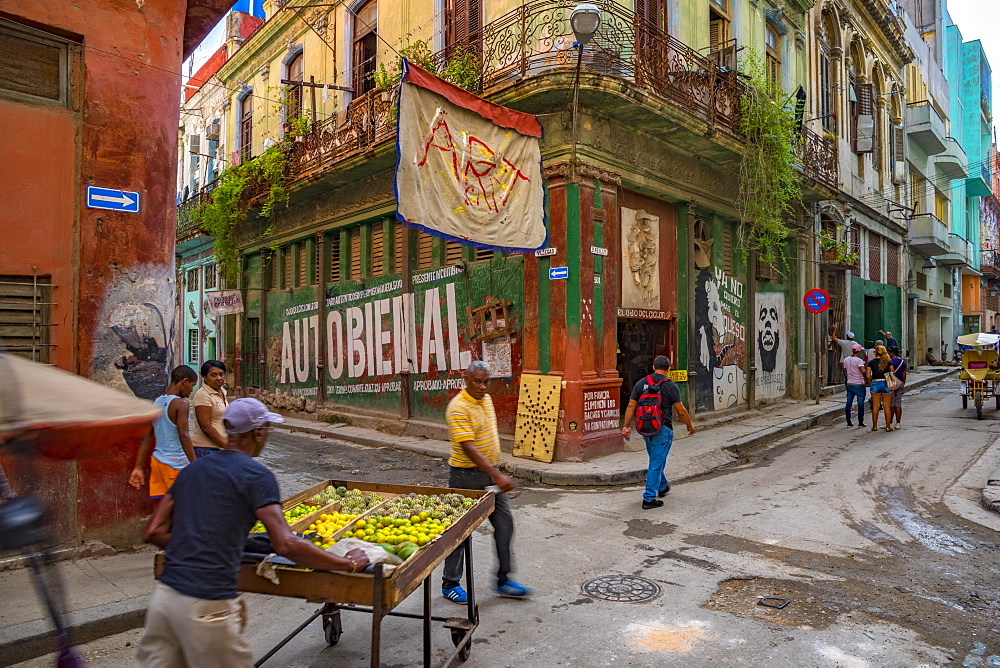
(852, 367)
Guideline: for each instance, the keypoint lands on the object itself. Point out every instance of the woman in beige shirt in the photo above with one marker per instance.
(210, 403)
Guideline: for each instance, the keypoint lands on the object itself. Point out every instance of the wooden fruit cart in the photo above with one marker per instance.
(381, 591)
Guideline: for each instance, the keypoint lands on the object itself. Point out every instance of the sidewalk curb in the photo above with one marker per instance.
(30, 640)
(537, 472)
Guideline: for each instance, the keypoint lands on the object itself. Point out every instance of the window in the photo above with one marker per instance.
(718, 26)
(947, 290)
(452, 253)
(727, 247)
(921, 280)
(24, 316)
(773, 48)
(874, 257)
(856, 248)
(484, 254)
(378, 249)
(355, 254)
(34, 65)
(891, 263)
(862, 118)
(302, 264)
(463, 21)
(425, 250)
(211, 277)
(251, 352)
(286, 261)
(245, 140)
(365, 47)
(335, 257)
(398, 249)
(194, 347)
(293, 104)
(192, 279)
(826, 100)
(940, 206)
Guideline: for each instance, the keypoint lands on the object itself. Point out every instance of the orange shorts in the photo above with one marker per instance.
(161, 477)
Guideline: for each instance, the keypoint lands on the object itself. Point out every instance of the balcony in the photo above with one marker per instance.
(959, 253)
(928, 235)
(818, 156)
(989, 262)
(534, 40)
(980, 183)
(952, 163)
(926, 127)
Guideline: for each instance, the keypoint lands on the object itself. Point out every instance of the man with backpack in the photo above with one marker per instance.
(653, 400)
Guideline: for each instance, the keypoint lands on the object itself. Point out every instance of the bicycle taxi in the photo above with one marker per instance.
(980, 370)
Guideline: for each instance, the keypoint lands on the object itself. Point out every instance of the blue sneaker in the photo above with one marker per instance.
(511, 589)
(456, 594)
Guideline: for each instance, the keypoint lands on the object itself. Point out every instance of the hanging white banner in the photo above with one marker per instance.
(468, 169)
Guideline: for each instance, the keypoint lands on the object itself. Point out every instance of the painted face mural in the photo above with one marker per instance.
(767, 336)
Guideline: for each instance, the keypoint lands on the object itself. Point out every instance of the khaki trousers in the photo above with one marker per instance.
(186, 632)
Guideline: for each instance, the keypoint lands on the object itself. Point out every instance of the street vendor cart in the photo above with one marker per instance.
(380, 591)
(980, 370)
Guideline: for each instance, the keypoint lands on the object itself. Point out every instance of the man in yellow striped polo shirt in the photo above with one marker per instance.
(475, 453)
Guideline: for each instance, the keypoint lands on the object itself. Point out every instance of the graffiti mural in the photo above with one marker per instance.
(771, 346)
(720, 340)
(135, 355)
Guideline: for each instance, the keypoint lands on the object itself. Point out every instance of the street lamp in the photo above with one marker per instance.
(585, 19)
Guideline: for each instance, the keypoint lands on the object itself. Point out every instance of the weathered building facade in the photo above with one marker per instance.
(91, 290)
(347, 311)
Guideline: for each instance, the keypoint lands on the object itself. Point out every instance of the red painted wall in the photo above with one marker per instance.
(114, 270)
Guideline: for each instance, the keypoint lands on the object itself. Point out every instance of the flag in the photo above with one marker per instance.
(467, 169)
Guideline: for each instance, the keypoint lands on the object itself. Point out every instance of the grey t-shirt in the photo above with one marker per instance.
(845, 347)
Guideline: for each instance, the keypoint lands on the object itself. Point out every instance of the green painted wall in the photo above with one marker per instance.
(891, 309)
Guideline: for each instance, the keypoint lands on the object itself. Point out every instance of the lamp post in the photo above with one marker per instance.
(585, 19)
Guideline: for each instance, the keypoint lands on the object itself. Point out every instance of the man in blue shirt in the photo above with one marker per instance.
(195, 616)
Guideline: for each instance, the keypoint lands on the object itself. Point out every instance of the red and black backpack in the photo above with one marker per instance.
(649, 409)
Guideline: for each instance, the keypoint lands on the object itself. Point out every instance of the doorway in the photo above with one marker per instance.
(873, 319)
(639, 341)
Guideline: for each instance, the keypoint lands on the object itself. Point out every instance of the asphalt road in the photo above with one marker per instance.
(874, 539)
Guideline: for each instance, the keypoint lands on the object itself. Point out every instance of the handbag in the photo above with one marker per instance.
(892, 381)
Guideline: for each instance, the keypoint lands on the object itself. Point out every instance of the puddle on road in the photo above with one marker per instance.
(897, 501)
(806, 610)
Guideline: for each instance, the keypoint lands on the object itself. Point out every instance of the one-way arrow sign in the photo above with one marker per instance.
(113, 200)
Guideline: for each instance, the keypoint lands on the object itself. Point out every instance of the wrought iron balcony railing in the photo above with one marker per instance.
(819, 158)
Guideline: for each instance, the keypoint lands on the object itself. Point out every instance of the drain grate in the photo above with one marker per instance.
(621, 589)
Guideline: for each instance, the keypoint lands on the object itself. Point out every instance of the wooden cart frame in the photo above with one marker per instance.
(380, 592)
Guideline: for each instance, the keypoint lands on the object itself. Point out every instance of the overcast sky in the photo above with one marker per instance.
(980, 19)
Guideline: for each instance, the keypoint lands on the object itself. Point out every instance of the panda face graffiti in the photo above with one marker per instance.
(768, 337)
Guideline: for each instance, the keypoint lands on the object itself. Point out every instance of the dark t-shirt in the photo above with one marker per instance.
(670, 394)
(215, 499)
(900, 365)
(891, 342)
(876, 366)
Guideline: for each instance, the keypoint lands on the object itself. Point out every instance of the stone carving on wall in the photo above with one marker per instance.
(640, 259)
(703, 243)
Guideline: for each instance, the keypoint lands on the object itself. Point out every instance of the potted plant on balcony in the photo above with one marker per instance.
(834, 251)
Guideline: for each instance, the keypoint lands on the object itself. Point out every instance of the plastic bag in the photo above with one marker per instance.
(376, 554)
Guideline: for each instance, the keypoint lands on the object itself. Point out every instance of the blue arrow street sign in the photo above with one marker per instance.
(558, 273)
(112, 200)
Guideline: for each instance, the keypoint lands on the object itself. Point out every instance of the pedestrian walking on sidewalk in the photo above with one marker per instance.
(475, 453)
(877, 369)
(173, 449)
(854, 373)
(654, 398)
(210, 403)
(196, 616)
(900, 368)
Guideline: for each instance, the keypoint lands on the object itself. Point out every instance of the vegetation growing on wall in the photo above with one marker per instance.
(769, 183)
(462, 68)
(229, 201)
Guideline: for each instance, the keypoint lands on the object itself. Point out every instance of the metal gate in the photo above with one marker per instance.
(250, 353)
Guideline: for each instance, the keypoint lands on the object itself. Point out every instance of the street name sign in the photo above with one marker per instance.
(545, 252)
(112, 199)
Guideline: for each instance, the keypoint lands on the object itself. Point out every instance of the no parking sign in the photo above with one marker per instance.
(816, 301)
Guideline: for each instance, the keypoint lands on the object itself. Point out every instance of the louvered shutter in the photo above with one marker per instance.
(452, 253)
(865, 119)
(378, 249)
(425, 251)
(356, 253)
(898, 155)
(335, 257)
(397, 248)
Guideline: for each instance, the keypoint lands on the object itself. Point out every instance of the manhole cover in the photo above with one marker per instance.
(621, 588)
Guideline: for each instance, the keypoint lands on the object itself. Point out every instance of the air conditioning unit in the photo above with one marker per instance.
(194, 144)
(212, 131)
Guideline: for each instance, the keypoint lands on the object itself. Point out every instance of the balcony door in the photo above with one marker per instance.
(463, 23)
(365, 47)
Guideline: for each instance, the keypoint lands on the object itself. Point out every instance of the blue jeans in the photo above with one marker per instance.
(658, 447)
(859, 392)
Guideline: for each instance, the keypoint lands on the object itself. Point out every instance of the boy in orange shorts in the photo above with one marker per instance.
(173, 448)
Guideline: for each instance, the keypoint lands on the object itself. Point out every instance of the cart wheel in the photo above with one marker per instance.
(456, 637)
(997, 397)
(332, 629)
(979, 406)
(965, 401)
